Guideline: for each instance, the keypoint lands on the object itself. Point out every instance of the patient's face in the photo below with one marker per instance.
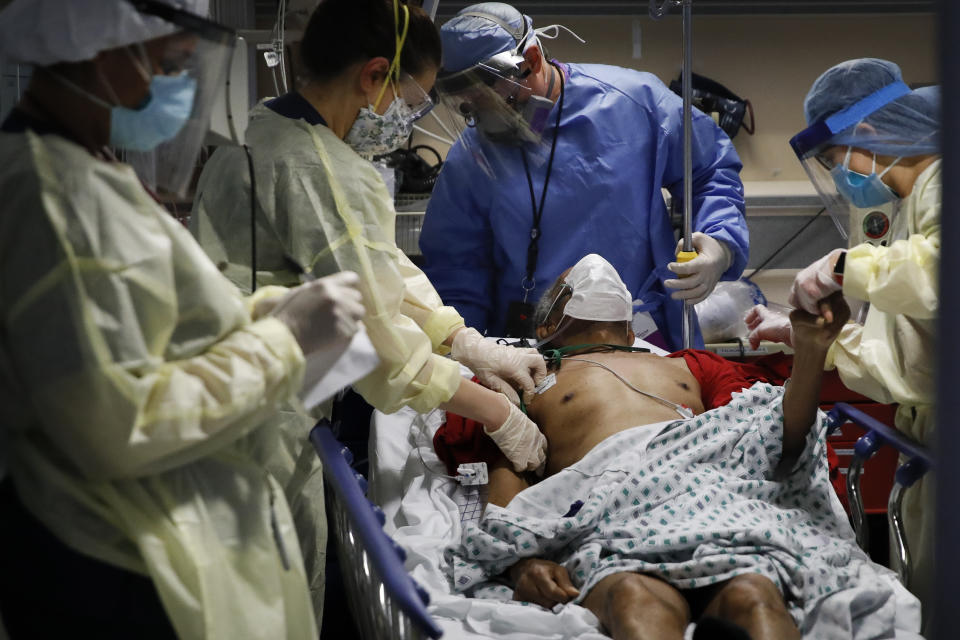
(559, 295)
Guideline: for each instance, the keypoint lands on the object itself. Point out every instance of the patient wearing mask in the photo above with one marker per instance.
(652, 519)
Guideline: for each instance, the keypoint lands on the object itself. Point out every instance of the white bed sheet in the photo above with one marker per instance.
(420, 501)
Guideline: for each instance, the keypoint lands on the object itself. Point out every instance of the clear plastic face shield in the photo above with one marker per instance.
(824, 148)
(419, 103)
(196, 59)
(490, 110)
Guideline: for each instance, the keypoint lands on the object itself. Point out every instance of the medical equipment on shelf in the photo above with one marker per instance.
(372, 562)
(919, 461)
(658, 8)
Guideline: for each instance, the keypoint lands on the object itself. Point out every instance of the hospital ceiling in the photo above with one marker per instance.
(448, 8)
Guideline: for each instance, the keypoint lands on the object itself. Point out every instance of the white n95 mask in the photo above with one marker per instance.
(598, 292)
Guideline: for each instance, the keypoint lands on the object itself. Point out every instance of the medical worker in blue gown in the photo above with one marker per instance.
(593, 181)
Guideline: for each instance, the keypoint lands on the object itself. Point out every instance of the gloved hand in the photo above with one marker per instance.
(703, 272)
(766, 324)
(521, 442)
(497, 366)
(814, 283)
(322, 312)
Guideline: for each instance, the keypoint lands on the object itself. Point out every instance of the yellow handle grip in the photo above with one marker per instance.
(685, 256)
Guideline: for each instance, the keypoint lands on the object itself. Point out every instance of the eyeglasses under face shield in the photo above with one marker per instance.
(418, 101)
(489, 109)
(492, 98)
(823, 146)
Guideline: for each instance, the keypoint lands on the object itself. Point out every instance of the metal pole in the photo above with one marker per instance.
(687, 156)
(947, 554)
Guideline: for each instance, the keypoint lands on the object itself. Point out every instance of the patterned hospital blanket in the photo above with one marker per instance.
(694, 503)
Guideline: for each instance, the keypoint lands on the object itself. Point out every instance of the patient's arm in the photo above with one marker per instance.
(504, 482)
(812, 337)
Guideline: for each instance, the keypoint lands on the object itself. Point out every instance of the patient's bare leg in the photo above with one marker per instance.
(754, 602)
(632, 606)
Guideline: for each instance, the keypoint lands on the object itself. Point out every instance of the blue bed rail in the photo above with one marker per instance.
(917, 462)
(386, 602)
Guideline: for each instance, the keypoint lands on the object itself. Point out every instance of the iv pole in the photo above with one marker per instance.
(657, 11)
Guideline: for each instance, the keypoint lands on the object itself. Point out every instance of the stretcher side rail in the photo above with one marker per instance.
(918, 462)
(385, 600)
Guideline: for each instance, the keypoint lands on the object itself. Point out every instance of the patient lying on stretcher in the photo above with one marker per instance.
(652, 520)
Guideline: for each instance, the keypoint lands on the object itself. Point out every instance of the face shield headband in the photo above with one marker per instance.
(816, 137)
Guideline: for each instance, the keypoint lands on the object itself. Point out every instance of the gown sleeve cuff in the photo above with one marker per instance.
(444, 382)
(281, 343)
(440, 325)
(858, 271)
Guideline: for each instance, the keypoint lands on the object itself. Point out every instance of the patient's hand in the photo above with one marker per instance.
(542, 582)
(819, 332)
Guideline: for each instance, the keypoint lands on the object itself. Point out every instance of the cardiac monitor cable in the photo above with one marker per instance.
(685, 412)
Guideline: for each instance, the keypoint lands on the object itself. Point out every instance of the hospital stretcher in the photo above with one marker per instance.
(917, 461)
(387, 603)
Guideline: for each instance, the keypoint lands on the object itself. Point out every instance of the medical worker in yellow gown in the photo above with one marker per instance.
(322, 207)
(139, 389)
(873, 140)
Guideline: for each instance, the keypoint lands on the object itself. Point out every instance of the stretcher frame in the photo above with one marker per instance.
(916, 462)
(388, 604)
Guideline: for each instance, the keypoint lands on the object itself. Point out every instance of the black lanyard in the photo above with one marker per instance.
(533, 249)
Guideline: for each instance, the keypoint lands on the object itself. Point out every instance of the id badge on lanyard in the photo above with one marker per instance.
(519, 321)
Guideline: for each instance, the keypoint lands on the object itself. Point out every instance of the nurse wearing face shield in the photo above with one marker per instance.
(322, 207)
(873, 140)
(140, 390)
(554, 161)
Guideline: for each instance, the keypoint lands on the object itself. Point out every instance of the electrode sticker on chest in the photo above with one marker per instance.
(547, 382)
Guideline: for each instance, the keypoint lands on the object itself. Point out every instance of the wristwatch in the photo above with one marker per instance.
(838, 268)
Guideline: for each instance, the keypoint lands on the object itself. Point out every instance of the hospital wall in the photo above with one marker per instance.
(770, 60)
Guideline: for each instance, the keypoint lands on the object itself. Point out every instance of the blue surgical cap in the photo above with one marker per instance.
(907, 126)
(469, 39)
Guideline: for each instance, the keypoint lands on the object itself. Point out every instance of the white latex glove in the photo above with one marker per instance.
(814, 283)
(703, 272)
(498, 366)
(322, 312)
(521, 442)
(766, 324)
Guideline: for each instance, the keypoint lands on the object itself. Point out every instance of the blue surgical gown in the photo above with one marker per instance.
(620, 142)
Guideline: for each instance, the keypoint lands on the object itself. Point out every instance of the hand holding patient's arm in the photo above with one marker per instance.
(542, 582)
(812, 337)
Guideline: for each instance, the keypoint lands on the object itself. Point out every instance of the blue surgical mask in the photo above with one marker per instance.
(161, 117)
(860, 190)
